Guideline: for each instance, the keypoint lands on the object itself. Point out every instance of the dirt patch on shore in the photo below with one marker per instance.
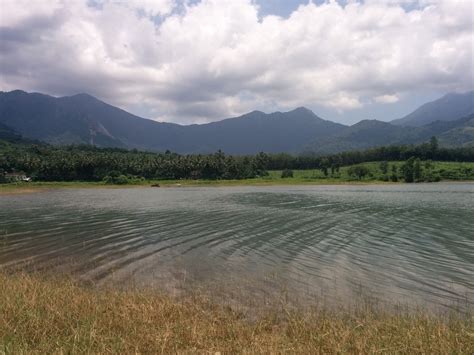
(20, 191)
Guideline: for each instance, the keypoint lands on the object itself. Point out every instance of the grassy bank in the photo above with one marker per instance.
(447, 171)
(272, 180)
(45, 315)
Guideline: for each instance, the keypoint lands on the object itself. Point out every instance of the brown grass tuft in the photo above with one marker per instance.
(46, 315)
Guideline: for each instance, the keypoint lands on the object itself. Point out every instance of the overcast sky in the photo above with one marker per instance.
(199, 61)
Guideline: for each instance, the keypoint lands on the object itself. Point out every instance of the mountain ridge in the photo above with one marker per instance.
(447, 108)
(84, 119)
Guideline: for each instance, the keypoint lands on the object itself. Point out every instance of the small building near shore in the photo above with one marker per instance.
(17, 177)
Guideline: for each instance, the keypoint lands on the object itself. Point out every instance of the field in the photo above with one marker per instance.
(52, 315)
(445, 170)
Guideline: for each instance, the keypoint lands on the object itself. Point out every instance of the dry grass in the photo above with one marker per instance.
(46, 315)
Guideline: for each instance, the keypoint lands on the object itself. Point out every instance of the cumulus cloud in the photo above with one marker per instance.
(196, 62)
(150, 7)
(386, 99)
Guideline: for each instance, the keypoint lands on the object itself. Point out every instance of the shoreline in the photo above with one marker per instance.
(441, 172)
(36, 187)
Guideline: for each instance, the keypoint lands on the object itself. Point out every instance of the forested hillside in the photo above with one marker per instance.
(43, 162)
(82, 119)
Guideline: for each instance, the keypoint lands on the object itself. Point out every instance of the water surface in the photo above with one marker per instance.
(403, 243)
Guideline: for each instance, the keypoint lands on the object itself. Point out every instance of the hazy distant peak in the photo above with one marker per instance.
(83, 94)
(16, 92)
(82, 97)
(302, 111)
(449, 107)
(371, 122)
(256, 112)
(249, 115)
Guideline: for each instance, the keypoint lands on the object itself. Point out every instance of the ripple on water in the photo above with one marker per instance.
(408, 243)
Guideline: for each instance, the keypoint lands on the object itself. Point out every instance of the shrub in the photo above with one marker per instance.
(3, 178)
(121, 180)
(432, 177)
(287, 173)
(358, 171)
(394, 176)
(408, 169)
(116, 180)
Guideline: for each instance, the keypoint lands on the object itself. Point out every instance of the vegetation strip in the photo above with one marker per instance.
(52, 315)
(26, 162)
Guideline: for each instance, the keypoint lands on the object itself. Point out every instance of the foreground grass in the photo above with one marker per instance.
(45, 315)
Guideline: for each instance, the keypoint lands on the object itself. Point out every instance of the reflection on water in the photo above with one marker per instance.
(404, 243)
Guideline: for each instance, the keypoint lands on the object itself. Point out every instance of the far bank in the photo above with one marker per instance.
(366, 173)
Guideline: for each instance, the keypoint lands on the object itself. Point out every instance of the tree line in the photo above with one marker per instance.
(411, 170)
(87, 163)
(426, 151)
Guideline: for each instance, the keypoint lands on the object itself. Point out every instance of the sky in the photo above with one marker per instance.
(197, 61)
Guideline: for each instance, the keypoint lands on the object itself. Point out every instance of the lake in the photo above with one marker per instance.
(410, 243)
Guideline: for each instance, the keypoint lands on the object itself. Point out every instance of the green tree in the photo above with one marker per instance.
(408, 170)
(287, 173)
(324, 166)
(3, 179)
(358, 171)
(417, 170)
(121, 180)
(394, 176)
(434, 144)
(261, 163)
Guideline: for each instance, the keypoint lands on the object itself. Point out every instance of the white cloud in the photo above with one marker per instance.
(218, 58)
(386, 99)
(150, 7)
(13, 12)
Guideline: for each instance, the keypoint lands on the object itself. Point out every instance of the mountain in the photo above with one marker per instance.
(83, 119)
(8, 134)
(461, 135)
(258, 131)
(372, 133)
(362, 135)
(450, 107)
(78, 119)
